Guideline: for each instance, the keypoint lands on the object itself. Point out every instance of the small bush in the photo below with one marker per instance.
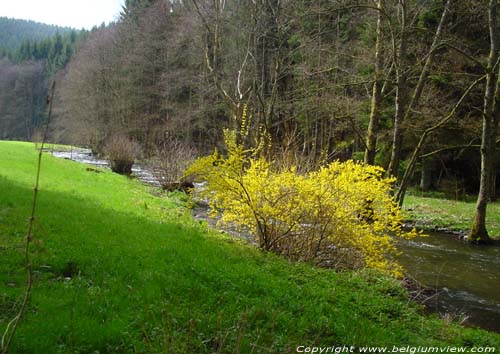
(171, 160)
(341, 216)
(121, 152)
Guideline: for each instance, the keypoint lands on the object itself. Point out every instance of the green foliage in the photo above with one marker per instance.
(22, 40)
(133, 9)
(24, 79)
(429, 18)
(441, 80)
(358, 156)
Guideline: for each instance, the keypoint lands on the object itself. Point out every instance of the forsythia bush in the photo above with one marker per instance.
(341, 216)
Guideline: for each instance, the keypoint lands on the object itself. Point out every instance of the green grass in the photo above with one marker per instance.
(119, 270)
(450, 214)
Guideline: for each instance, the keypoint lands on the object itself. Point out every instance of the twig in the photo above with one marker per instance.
(9, 334)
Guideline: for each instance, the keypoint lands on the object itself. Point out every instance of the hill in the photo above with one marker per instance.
(13, 32)
(118, 270)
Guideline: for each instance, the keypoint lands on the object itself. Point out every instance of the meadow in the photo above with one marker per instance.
(430, 212)
(120, 267)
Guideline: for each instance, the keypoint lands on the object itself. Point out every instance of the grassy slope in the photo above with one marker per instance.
(450, 214)
(118, 270)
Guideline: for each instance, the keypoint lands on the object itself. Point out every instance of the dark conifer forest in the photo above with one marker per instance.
(14, 32)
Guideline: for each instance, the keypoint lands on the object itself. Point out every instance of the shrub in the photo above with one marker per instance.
(341, 216)
(121, 152)
(171, 160)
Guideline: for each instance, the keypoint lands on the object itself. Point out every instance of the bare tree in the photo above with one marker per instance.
(371, 136)
(22, 88)
(490, 117)
(414, 100)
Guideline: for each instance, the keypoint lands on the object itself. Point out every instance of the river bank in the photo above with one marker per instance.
(118, 269)
(430, 214)
(425, 259)
(448, 216)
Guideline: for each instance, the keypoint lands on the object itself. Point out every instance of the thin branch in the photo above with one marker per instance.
(450, 148)
(358, 133)
(203, 19)
(442, 121)
(466, 55)
(238, 86)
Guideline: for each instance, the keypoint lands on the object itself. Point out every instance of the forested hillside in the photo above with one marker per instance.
(303, 70)
(13, 32)
(25, 72)
(407, 85)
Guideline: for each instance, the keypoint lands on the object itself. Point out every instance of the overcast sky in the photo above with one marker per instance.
(72, 13)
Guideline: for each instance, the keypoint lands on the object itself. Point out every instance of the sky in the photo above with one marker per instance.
(71, 13)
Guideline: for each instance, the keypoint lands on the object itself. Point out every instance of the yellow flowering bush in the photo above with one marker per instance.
(341, 216)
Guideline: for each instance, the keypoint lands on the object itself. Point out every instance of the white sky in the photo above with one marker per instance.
(72, 13)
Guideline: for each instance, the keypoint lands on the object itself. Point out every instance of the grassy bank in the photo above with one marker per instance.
(449, 214)
(118, 270)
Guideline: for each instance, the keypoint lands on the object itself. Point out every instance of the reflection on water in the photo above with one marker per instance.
(466, 277)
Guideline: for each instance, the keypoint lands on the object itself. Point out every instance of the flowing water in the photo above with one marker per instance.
(85, 156)
(465, 279)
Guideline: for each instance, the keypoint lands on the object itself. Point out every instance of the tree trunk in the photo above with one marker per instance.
(417, 94)
(401, 98)
(426, 175)
(493, 182)
(415, 98)
(371, 136)
(478, 233)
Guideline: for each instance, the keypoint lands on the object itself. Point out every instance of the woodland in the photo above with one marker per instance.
(408, 85)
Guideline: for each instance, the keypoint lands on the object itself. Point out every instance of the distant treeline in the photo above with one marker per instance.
(13, 32)
(56, 50)
(31, 54)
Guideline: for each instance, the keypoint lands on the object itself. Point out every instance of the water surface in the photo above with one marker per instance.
(466, 277)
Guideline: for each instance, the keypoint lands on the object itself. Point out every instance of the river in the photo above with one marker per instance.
(465, 278)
